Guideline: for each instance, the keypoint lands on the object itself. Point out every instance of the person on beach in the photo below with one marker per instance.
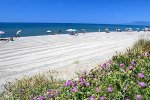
(11, 38)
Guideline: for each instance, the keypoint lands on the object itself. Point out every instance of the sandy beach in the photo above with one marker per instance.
(64, 54)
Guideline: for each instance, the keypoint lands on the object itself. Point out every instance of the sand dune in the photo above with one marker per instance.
(63, 53)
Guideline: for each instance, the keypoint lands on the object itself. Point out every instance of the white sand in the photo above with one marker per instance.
(63, 53)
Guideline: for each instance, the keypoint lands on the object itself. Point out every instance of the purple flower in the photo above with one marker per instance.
(138, 97)
(41, 98)
(127, 99)
(100, 68)
(110, 89)
(102, 98)
(131, 67)
(97, 89)
(87, 84)
(140, 75)
(74, 89)
(103, 65)
(50, 95)
(133, 63)
(92, 98)
(68, 83)
(57, 93)
(143, 54)
(75, 84)
(82, 80)
(50, 91)
(142, 84)
(122, 65)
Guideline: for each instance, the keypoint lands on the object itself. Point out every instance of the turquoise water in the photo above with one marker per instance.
(34, 29)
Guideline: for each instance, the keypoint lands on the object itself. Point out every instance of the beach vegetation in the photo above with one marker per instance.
(124, 77)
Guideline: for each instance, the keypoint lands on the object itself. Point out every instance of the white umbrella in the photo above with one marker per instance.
(99, 30)
(1, 32)
(127, 29)
(146, 29)
(137, 29)
(83, 30)
(48, 31)
(71, 30)
(107, 29)
(130, 30)
(18, 32)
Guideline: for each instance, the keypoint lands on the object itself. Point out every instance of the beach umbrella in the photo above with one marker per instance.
(83, 30)
(130, 29)
(1, 32)
(17, 34)
(71, 30)
(99, 30)
(137, 29)
(127, 29)
(107, 29)
(74, 30)
(146, 29)
(48, 31)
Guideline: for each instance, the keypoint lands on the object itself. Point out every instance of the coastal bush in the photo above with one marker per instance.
(124, 77)
(143, 44)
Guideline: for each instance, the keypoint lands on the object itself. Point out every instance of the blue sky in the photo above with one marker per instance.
(75, 11)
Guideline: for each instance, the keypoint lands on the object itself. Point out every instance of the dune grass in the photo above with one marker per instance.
(143, 44)
(125, 77)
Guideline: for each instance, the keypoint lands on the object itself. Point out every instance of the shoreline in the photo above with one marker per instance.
(37, 54)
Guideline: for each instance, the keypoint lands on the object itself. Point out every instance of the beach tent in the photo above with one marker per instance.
(1, 32)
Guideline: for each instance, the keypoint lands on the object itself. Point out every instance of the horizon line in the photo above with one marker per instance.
(77, 23)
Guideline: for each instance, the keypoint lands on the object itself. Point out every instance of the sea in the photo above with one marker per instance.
(36, 29)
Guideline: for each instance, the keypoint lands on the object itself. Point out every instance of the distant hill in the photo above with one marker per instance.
(140, 23)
